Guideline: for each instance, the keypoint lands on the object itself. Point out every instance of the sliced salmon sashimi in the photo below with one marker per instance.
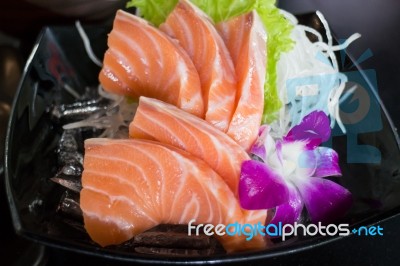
(130, 186)
(142, 60)
(197, 34)
(246, 38)
(200, 94)
(159, 121)
(156, 120)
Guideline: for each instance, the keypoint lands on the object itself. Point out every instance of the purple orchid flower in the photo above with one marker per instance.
(288, 174)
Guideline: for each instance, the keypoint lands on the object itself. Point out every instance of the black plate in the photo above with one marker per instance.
(59, 57)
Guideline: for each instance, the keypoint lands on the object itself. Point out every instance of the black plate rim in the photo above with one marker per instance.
(10, 196)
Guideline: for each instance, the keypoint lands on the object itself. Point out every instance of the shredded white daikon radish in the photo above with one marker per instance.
(71, 91)
(309, 78)
(289, 16)
(86, 43)
(115, 120)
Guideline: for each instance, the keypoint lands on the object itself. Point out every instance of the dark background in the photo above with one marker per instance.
(377, 21)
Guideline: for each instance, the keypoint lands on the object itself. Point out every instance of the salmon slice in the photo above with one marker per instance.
(156, 120)
(246, 38)
(142, 60)
(197, 35)
(130, 186)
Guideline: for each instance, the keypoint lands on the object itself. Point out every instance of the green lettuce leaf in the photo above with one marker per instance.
(278, 29)
(279, 41)
(225, 9)
(154, 11)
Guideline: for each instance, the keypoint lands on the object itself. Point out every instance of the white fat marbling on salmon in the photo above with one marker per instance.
(186, 188)
(246, 38)
(188, 213)
(125, 226)
(197, 35)
(140, 173)
(192, 134)
(145, 61)
(112, 199)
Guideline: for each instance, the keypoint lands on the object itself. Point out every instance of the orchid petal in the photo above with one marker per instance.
(307, 164)
(327, 162)
(264, 144)
(262, 129)
(325, 200)
(260, 187)
(258, 148)
(314, 129)
(289, 212)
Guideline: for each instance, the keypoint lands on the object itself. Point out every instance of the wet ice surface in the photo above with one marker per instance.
(69, 206)
(78, 111)
(167, 240)
(70, 159)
